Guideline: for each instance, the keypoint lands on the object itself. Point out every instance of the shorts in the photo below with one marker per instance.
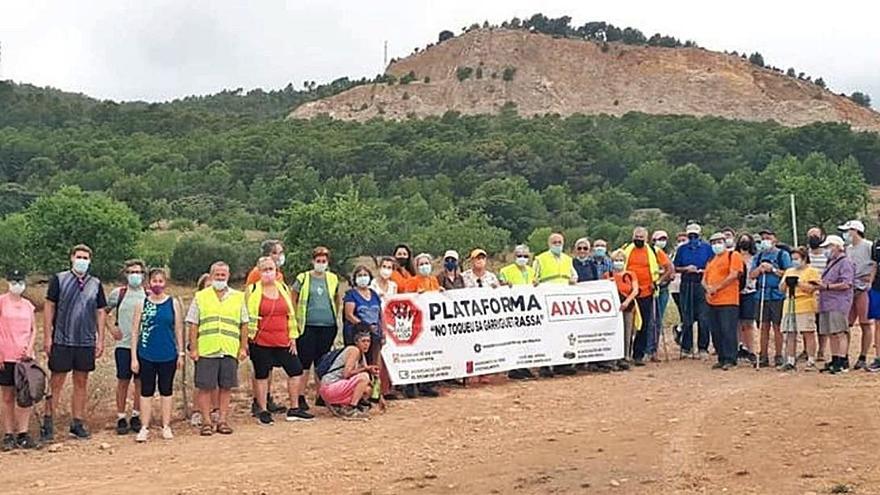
(874, 304)
(772, 312)
(799, 322)
(833, 322)
(266, 358)
(747, 309)
(215, 372)
(65, 358)
(340, 392)
(122, 356)
(314, 343)
(858, 312)
(7, 375)
(161, 373)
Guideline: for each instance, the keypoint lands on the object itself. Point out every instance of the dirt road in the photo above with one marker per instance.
(669, 428)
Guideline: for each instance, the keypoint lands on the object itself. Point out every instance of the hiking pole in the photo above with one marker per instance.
(186, 411)
(760, 318)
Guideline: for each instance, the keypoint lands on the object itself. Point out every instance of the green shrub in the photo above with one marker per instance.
(14, 244)
(508, 73)
(194, 254)
(463, 73)
(156, 247)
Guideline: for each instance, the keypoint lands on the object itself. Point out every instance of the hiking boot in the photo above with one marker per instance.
(874, 366)
(274, 408)
(302, 403)
(545, 372)
(8, 442)
(142, 435)
(427, 391)
(47, 430)
(135, 424)
(298, 415)
(24, 441)
(778, 360)
(265, 418)
(787, 367)
(122, 426)
(79, 431)
(860, 365)
(167, 434)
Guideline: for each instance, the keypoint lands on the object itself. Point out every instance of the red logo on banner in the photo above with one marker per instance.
(469, 367)
(403, 321)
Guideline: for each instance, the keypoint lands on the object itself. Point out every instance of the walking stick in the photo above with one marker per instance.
(186, 411)
(760, 317)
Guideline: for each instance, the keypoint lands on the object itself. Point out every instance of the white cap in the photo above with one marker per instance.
(452, 253)
(832, 240)
(852, 225)
(693, 228)
(659, 234)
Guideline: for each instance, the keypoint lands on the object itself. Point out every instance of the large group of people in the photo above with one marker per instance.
(729, 288)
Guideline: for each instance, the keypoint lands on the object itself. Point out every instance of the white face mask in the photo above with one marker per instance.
(425, 269)
(320, 267)
(17, 288)
(385, 272)
(281, 259)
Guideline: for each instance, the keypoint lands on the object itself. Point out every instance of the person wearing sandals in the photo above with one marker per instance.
(157, 334)
(17, 332)
(273, 331)
(218, 328)
(347, 383)
(363, 306)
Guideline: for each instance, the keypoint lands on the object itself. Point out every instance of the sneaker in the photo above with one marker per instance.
(638, 362)
(364, 406)
(703, 355)
(778, 360)
(350, 413)
(787, 367)
(828, 368)
(122, 426)
(255, 408)
(803, 356)
(622, 365)
(676, 334)
(265, 418)
(299, 415)
(516, 375)
(764, 362)
(546, 372)
(717, 366)
(302, 403)
(319, 401)
(810, 366)
(874, 366)
(135, 424)
(78, 431)
(167, 434)
(47, 429)
(566, 370)
(527, 374)
(24, 441)
(274, 408)
(728, 366)
(860, 365)
(742, 352)
(142, 435)
(427, 391)
(195, 419)
(8, 442)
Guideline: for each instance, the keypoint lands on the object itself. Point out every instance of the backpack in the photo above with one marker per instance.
(326, 362)
(30, 383)
(743, 274)
(123, 290)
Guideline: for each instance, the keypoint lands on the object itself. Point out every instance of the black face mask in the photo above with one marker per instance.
(403, 260)
(692, 237)
(814, 242)
(744, 246)
(639, 243)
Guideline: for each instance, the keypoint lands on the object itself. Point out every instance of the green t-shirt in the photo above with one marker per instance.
(320, 310)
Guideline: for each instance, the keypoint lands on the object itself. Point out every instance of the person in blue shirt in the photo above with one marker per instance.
(583, 262)
(690, 261)
(767, 269)
(604, 265)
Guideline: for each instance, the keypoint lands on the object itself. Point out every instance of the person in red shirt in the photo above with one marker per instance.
(721, 283)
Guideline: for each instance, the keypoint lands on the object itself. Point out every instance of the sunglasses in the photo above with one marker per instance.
(582, 248)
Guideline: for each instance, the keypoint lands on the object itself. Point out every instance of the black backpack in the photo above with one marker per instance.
(324, 364)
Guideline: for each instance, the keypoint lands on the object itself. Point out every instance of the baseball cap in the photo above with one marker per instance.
(693, 228)
(452, 253)
(659, 235)
(477, 252)
(16, 276)
(521, 249)
(832, 240)
(717, 236)
(767, 231)
(852, 225)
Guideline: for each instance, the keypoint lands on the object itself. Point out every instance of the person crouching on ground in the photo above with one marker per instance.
(348, 381)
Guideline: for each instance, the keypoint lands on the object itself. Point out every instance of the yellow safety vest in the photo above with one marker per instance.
(554, 270)
(653, 264)
(513, 275)
(303, 306)
(219, 322)
(255, 295)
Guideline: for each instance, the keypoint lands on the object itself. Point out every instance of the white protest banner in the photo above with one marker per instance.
(468, 332)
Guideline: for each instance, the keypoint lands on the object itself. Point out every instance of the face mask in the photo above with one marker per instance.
(17, 288)
(362, 280)
(268, 277)
(135, 279)
(320, 267)
(680, 244)
(219, 285)
(425, 269)
(763, 245)
(157, 289)
(693, 237)
(847, 237)
(744, 246)
(814, 242)
(660, 244)
(402, 260)
(729, 243)
(583, 257)
(796, 263)
(556, 250)
(281, 259)
(718, 248)
(618, 266)
(522, 260)
(639, 243)
(828, 253)
(81, 266)
(450, 265)
(599, 251)
(385, 272)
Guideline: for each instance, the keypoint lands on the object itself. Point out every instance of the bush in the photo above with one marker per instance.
(156, 247)
(408, 78)
(463, 73)
(70, 216)
(194, 254)
(508, 73)
(14, 244)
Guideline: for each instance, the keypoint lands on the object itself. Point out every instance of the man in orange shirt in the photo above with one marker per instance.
(650, 267)
(721, 282)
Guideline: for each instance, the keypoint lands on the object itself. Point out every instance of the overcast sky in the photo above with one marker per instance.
(163, 49)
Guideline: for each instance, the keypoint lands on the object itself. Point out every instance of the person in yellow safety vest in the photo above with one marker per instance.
(649, 265)
(518, 273)
(555, 267)
(315, 293)
(218, 333)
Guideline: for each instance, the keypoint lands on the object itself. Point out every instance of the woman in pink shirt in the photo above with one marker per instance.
(17, 332)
